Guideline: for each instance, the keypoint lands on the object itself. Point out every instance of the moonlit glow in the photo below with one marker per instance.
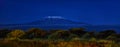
(54, 17)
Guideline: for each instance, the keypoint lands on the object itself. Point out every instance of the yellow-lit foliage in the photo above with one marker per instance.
(15, 34)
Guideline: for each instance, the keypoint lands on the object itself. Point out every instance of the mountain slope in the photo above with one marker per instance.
(48, 23)
(58, 23)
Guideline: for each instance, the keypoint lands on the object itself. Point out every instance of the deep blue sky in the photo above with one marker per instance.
(98, 12)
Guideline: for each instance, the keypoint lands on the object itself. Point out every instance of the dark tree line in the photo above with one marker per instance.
(59, 34)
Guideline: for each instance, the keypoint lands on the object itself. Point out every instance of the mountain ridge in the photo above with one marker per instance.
(57, 23)
(50, 21)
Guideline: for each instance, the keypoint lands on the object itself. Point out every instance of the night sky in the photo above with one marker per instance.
(100, 12)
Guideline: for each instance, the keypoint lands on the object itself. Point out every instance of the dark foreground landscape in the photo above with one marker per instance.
(74, 37)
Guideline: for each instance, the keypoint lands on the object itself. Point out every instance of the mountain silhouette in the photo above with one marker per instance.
(47, 23)
(59, 23)
(56, 21)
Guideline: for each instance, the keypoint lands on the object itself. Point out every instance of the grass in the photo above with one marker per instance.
(50, 43)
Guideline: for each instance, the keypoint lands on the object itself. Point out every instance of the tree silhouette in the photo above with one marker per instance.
(36, 33)
(105, 34)
(118, 38)
(60, 34)
(112, 37)
(78, 31)
(4, 32)
(74, 37)
(86, 36)
(15, 34)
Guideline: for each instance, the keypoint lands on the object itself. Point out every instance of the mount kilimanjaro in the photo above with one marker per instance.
(59, 23)
(46, 23)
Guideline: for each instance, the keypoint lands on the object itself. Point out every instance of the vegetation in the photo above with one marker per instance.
(16, 34)
(75, 37)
